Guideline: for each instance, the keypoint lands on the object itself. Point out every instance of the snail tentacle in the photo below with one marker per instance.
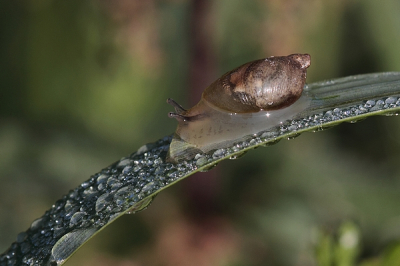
(178, 108)
(177, 116)
(183, 118)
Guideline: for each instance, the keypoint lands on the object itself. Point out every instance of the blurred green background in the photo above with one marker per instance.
(84, 82)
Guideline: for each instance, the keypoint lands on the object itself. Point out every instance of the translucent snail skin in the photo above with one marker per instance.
(253, 97)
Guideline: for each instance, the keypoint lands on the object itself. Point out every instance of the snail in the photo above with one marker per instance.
(253, 97)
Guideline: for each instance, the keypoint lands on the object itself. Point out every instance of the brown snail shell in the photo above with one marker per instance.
(244, 101)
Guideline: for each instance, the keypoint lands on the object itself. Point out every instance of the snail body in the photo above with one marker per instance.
(251, 98)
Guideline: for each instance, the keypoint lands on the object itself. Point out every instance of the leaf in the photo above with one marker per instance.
(130, 184)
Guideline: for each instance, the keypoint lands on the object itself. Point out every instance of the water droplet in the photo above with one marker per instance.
(127, 169)
(85, 184)
(238, 155)
(68, 244)
(391, 113)
(59, 231)
(90, 191)
(293, 136)
(369, 104)
(202, 160)
(254, 142)
(71, 212)
(391, 100)
(337, 110)
(219, 153)
(124, 162)
(124, 194)
(379, 105)
(68, 205)
(141, 205)
(356, 120)
(113, 217)
(102, 178)
(380, 102)
(292, 128)
(158, 161)
(113, 180)
(148, 187)
(35, 225)
(208, 168)
(101, 187)
(269, 134)
(22, 236)
(321, 128)
(102, 202)
(116, 185)
(76, 218)
(27, 260)
(159, 170)
(173, 173)
(145, 148)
